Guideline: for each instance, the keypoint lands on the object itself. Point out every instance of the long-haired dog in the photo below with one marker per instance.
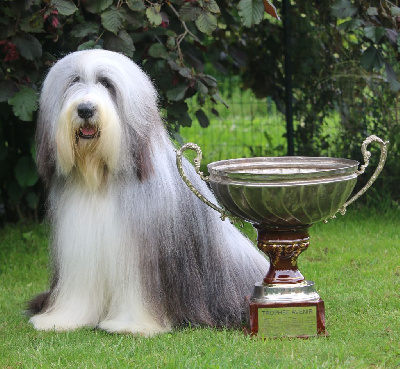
(132, 248)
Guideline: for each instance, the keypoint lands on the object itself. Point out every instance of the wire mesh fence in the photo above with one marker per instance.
(247, 127)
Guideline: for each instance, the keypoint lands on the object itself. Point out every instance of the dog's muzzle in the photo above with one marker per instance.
(87, 131)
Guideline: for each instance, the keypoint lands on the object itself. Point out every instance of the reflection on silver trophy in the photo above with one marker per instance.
(282, 197)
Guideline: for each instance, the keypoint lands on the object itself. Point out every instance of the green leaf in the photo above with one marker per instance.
(201, 88)
(185, 72)
(343, 9)
(185, 120)
(7, 90)
(25, 172)
(374, 33)
(24, 103)
(206, 22)
(64, 7)
(217, 98)
(174, 66)
(85, 29)
(392, 35)
(153, 16)
(89, 45)
(395, 10)
(32, 24)
(177, 109)
(202, 118)
(171, 43)
(136, 20)
(113, 19)
(210, 5)
(392, 77)
(372, 59)
(189, 12)
(96, 6)
(32, 199)
(372, 10)
(136, 5)
(350, 24)
(251, 11)
(178, 112)
(121, 43)
(158, 51)
(29, 47)
(177, 93)
(215, 112)
(210, 81)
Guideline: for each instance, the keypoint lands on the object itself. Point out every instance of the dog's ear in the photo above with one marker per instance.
(143, 161)
(45, 157)
(145, 124)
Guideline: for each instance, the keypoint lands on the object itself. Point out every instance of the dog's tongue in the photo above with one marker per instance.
(88, 131)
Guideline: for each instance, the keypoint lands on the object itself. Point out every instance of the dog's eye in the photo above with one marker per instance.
(105, 82)
(108, 85)
(76, 80)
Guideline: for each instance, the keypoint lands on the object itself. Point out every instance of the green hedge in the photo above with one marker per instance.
(182, 44)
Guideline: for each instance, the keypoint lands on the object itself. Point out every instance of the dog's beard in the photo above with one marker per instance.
(88, 148)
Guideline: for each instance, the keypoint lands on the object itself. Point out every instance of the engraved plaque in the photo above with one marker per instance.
(293, 321)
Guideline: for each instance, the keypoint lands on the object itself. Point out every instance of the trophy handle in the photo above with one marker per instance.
(367, 154)
(197, 161)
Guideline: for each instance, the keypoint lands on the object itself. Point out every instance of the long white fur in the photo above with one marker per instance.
(133, 250)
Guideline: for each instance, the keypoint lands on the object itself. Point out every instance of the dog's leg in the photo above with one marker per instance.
(127, 314)
(143, 325)
(73, 306)
(61, 321)
(90, 246)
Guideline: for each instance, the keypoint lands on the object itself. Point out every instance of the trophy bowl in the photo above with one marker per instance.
(283, 191)
(282, 197)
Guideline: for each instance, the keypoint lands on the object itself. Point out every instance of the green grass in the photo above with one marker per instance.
(354, 261)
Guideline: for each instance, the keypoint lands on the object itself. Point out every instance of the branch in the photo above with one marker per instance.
(181, 37)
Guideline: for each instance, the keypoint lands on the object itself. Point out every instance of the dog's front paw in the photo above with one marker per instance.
(56, 322)
(125, 326)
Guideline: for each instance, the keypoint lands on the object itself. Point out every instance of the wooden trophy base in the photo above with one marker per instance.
(287, 319)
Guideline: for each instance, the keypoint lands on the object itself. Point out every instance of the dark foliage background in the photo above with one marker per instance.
(345, 60)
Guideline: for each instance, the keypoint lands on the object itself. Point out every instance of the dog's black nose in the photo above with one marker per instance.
(86, 110)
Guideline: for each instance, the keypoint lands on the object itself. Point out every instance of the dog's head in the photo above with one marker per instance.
(97, 113)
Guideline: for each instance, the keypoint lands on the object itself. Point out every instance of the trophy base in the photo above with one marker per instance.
(285, 311)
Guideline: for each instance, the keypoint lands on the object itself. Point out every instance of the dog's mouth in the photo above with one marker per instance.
(88, 132)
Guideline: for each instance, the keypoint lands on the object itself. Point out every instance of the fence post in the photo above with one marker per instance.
(288, 77)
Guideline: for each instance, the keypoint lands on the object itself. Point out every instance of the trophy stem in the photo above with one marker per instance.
(283, 246)
(284, 303)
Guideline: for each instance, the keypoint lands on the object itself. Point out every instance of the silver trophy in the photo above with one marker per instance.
(282, 197)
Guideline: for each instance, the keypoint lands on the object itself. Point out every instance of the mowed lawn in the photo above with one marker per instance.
(354, 261)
